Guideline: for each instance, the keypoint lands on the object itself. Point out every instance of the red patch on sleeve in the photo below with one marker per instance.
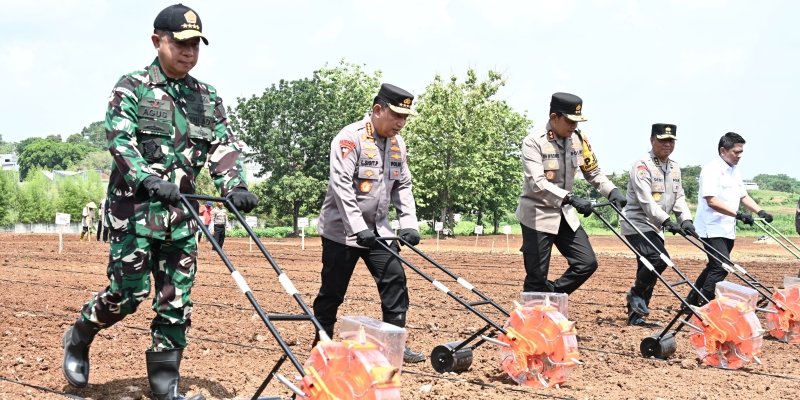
(346, 146)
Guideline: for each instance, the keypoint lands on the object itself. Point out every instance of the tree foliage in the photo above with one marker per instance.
(291, 125)
(96, 161)
(36, 199)
(690, 179)
(95, 135)
(293, 195)
(6, 147)
(8, 183)
(779, 182)
(464, 148)
(75, 192)
(51, 155)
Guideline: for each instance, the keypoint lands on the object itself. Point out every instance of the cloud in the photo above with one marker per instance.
(327, 33)
(633, 13)
(413, 21)
(695, 63)
(561, 74)
(519, 13)
(17, 59)
(690, 5)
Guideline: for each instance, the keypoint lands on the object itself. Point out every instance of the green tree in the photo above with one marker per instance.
(77, 138)
(36, 199)
(290, 195)
(96, 161)
(6, 147)
(463, 146)
(779, 182)
(95, 135)
(690, 179)
(24, 143)
(54, 138)
(75, 192)
(8, 186)
(50, 155)
(291, 125)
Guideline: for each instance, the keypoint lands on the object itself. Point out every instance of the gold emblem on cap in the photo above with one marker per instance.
(668, 129)
(406, 103)
(578, 109)
(191, 17)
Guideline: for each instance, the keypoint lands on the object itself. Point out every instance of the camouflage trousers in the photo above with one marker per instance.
(173, 265)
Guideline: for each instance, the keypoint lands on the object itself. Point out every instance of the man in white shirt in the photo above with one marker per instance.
(721, 192)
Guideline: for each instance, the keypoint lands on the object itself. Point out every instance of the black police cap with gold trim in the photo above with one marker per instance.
(181, 22)
(664, 131)
(569, 105)
(398, 99)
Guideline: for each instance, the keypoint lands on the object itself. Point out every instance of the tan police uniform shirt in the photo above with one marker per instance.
(367, 172)
(654, 190)
(549, 164)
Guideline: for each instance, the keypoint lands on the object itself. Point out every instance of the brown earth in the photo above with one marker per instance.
(231, 351)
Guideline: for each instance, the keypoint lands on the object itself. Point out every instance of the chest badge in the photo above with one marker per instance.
(550, 175)
(365, 187)
(657, 196)
(551, 164)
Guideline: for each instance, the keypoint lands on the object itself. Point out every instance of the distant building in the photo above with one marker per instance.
(9, 162)
(750, 186)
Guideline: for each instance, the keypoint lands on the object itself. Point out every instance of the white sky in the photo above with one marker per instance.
(709, 66)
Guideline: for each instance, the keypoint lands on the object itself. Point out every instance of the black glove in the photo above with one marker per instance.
(582, 206)
(410, 235)
(767, 216)
(617, 199)
(688, 228)
(671, 226)
(161, 190)
(243, 200)
(746, 218)
(365, 238)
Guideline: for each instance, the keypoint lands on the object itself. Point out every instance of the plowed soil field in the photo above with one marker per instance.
(231, 351)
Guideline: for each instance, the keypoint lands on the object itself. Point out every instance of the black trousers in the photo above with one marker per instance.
(219, 234)
(645, 279)
(338, 263)
(536, 250)
(100, 227)
(713, 273)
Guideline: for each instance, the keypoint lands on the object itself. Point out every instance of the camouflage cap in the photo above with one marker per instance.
(181, 22)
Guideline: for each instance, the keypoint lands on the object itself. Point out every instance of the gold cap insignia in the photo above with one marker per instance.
(406, 103)
(668, 129)
(578, 109)
(191, 17)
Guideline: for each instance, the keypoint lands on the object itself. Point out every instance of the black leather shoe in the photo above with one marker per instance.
(551, 287)
(637, 303)
(76, 353)
(412, 357)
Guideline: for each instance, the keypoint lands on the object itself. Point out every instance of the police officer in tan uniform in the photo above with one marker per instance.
(655, 190)
(551, 157)
(368, 170)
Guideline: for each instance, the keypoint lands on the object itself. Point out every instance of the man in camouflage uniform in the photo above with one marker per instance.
(163, 127)
(551, 157)
(655, 190)
(368, 170)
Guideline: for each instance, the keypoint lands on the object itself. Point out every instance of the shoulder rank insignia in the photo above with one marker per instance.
(551, 136)
(656, 161)
(396, 156)
(370, 154)
(394, 148)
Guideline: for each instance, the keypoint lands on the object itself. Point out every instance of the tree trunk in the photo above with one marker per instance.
(480, 217)
(496, 215)
(295, 216)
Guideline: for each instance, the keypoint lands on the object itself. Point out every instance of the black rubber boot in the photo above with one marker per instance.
(409, 356)
(637, 303)
(163, 372)
(76, 353)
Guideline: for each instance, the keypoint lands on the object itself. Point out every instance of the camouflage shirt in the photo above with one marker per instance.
(169, 128)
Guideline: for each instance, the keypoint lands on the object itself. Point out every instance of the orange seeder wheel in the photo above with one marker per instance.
(785, 325)
(350, 369)
(731, 333)
(543, 348)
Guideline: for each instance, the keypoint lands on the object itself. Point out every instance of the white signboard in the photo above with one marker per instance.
(446, 231)
(395, 224)
(438, 226)
(252, 221)
(507, 229)
(479, 229)
(457, 218)
(302, 222)
(62, 219)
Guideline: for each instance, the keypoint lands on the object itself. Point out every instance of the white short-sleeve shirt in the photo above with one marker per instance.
(724, 182)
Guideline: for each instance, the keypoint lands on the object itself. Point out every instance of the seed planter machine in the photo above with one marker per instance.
(537, 343)
(355, 368)
(725, 332)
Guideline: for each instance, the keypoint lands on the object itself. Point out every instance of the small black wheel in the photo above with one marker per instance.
(651, 346)
(444, 359)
